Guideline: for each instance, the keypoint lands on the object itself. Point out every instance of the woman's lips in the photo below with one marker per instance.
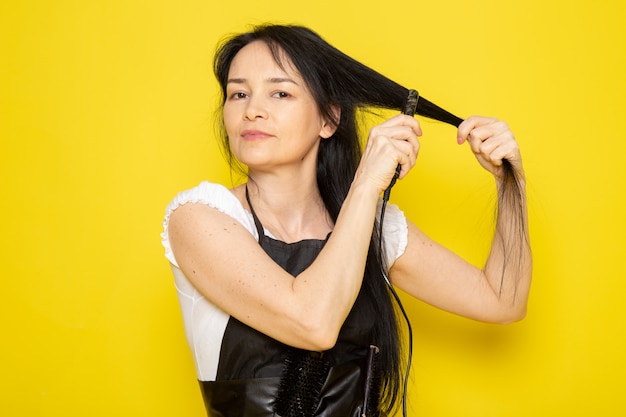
(254, 135)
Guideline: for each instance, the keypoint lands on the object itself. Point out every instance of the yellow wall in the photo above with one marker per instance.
(106, 109)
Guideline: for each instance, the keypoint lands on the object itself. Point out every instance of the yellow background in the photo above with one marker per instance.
(106, 112)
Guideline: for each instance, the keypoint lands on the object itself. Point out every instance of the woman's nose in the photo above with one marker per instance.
(255, 109)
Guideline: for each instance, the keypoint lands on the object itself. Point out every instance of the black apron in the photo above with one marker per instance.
(251, 364)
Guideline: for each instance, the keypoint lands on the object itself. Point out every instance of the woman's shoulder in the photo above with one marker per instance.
(213, 195)
(209, 193)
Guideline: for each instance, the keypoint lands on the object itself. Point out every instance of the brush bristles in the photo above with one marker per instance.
(304, 374)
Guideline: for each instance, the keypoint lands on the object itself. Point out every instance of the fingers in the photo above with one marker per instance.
(400, 134)
(399, 127)
(489, 137)
(491, 140)
(391, 143)
(471, 123)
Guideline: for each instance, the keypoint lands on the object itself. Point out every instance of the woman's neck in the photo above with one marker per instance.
(291, 208)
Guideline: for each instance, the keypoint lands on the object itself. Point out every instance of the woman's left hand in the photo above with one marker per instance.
(491, 140)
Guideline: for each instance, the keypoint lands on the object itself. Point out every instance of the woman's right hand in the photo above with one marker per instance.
(391, 143)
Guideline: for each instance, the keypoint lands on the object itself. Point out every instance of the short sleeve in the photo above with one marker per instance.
(213, 195)
(395, 231)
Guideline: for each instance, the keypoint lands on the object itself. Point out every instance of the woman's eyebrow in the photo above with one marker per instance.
(272, 80)
(278, 80)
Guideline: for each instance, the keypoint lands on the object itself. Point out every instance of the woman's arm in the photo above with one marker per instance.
(227, 265)
(499, 291)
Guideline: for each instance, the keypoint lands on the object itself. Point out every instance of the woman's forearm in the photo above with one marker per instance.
(333, 281)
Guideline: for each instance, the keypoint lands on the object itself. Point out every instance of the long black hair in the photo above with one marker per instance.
(337, 80)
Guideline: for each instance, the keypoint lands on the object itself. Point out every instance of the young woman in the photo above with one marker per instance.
(283, 280)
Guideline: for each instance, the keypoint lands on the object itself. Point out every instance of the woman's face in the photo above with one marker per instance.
(271, 118)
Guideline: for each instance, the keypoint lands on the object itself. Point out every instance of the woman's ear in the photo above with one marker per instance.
(329, 127)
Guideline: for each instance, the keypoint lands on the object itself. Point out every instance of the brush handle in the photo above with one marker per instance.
(410, 105)
(370, 383)
(409, 108)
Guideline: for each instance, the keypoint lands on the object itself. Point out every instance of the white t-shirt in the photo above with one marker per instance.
(204, 322)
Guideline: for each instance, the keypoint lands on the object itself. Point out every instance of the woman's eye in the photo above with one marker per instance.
(238, 95)
(281, 94)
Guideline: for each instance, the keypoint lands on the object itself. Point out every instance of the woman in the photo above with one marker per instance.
(265, 343)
